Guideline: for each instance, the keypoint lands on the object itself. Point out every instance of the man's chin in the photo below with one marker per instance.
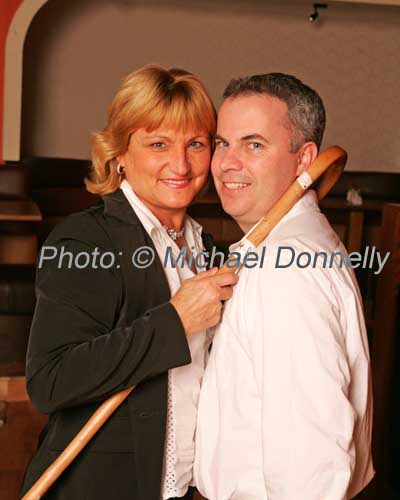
(233, 210)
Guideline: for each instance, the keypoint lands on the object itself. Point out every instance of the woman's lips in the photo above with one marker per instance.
(176, 183)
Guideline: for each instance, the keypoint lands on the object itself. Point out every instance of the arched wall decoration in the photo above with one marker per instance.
(16, 17)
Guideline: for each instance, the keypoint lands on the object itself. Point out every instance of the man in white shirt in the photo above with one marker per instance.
(285, 409)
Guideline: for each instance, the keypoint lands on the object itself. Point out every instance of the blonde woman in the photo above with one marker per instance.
(111, 313)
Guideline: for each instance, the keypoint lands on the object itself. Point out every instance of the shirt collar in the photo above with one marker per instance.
(307, 202)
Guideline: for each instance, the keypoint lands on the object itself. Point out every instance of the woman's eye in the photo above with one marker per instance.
(196, 144)
(255, 145)
(158, 145)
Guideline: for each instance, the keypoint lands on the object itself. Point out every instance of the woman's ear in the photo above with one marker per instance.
(307, 154)
(121, 160)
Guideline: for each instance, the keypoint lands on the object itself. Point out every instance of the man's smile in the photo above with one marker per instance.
(234, 186)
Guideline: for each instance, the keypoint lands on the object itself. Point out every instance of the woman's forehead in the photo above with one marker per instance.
(171, 133)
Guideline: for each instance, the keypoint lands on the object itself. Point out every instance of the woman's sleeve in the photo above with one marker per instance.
(75, 355)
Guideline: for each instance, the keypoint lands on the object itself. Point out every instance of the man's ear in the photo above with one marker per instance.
(307, 154)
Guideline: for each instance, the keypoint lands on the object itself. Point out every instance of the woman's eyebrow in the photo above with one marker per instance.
(198, 136)
(158, 136)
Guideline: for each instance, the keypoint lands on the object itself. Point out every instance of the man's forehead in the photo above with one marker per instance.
(250, 114)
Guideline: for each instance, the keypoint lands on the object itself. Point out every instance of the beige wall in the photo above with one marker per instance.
(77, 52)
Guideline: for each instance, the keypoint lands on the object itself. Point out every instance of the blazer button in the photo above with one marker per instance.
(144, 414)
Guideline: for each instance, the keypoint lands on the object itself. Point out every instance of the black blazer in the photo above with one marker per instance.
(96, 332)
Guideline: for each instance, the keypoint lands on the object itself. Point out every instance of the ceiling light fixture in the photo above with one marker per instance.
(315, 15)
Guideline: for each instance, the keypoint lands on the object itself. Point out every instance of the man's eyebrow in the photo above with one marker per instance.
(218, 137)
(253, 137)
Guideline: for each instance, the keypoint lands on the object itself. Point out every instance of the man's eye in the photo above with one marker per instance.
(255, 145)
(158, 145)
(221, 144)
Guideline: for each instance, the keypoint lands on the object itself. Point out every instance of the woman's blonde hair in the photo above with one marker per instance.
(148, 97)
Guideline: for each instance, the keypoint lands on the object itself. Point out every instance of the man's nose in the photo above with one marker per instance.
(230, 160)
(180, 164)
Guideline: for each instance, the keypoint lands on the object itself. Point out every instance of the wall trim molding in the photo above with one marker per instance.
(395, 3)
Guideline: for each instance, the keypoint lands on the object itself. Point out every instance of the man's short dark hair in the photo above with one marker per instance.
(306, 112)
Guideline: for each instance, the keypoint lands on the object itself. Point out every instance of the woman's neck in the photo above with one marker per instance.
(173, 219)
(170, 217)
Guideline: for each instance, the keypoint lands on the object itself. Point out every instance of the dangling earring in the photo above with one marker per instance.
(120, 169)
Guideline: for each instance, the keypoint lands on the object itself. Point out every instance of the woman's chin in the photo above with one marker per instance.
(179, 206)
(178, 201)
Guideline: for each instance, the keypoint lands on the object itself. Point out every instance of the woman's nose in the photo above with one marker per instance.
(180, 164)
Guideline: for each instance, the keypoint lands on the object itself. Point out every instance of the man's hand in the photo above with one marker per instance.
(198, 300)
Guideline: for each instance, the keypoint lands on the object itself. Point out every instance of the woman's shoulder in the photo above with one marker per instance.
(86, 226)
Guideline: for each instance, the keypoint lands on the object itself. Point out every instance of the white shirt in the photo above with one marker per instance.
(183, 382)
(285, 410)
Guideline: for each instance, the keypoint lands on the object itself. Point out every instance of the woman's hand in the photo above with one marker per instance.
(198, 300)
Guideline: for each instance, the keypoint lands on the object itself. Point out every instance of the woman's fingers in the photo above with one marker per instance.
(198, 300)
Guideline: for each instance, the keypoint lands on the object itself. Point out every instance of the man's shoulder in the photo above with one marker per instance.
(303, 252)
(307, 231)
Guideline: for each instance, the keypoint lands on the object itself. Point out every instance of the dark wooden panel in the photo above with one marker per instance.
(14, 333)
(19, 210)
(18, 441)
(386, 333)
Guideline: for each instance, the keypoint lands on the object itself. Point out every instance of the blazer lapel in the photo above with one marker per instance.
(116, 205)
